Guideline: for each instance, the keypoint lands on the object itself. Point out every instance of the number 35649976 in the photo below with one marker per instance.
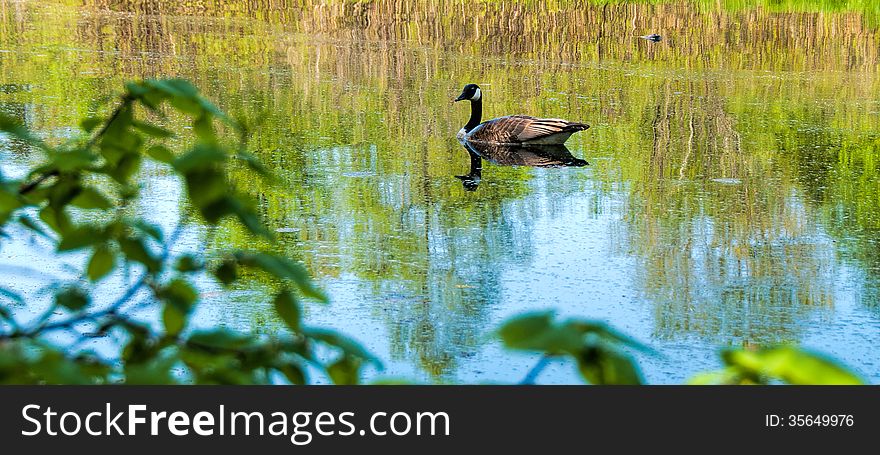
(809, 420)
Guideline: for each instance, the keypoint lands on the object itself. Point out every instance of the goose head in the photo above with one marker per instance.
(470, 92)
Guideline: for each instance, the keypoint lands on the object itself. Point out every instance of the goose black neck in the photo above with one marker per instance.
(476, 114)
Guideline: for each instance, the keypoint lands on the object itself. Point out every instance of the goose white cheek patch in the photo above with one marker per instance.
(477, 95)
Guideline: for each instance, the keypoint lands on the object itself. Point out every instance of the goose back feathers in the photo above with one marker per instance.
(526, 130)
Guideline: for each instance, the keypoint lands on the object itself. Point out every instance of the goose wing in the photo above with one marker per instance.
(518, 129)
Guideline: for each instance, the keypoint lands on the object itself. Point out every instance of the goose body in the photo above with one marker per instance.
(513, 129)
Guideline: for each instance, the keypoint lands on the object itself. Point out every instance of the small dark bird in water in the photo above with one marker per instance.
(652, 37)
(512, 129)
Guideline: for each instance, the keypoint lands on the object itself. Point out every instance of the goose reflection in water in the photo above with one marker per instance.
(514, 155)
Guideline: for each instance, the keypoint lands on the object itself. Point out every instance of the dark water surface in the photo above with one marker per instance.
(732, 197)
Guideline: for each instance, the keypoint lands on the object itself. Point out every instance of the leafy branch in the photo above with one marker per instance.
(98, 173)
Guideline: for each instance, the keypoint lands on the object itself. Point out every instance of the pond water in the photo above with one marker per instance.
(732, 196)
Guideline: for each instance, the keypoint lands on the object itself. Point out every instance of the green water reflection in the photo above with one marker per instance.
(732, 197)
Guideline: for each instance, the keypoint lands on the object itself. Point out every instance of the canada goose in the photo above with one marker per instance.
(652, 37)
(513, 129)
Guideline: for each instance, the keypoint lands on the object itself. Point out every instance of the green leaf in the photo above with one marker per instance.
(179, 294)
(726, 376)
(180, 88)
(184, 96)
(141, 346)
(137, 88)
(199, 157)
(791, 365)
(220, 339)
(72, 298)
(283, 268)
(117, 136)
(90, 198)
(227, 272)
(147, 95)
(63, 192)
(214, 210)
(51, 366)
(73, 161)
(31, 224)
(150, 229)
(180, 298)
(135, 250)
(80, 237)
(174, 319)
(345, 371)
(160, 153)
(246, 214)
(155, 371)
(186, 105)
(89, 124)
(152, 130)
(188, 263)
(253, 163)
(335, 339)
(204, 128)
(56, 219)
(101, 263)
(205, 187)
(9, 200)
(126, 166)
(538, 332)
(288, 308)
(602, 365)
(293, 372)
(607, 333)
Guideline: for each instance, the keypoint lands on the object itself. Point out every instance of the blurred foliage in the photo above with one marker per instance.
(602, 358)
(595, 347)
(787, 364)
(98, 170)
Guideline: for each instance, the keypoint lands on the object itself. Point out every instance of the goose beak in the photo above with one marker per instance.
(461, 97)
